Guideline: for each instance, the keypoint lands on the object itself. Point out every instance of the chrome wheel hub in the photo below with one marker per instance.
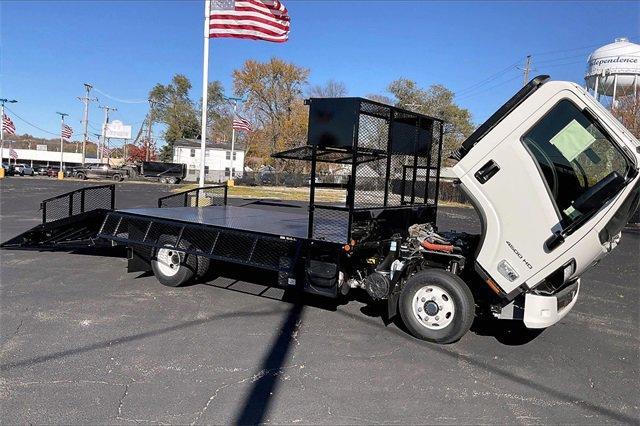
(169, 261)
(433, 307)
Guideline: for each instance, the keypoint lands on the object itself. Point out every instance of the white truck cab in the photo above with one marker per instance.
(554, 178)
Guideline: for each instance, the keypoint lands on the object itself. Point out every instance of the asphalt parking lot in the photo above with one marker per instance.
(84, 342)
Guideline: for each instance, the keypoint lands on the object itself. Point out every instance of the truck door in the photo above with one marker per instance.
(528, 177)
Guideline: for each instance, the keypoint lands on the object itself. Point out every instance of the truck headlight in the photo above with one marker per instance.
(569, 269)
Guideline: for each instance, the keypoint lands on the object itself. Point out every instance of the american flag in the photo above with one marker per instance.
(253, 19)
(240, 123)
(66, 132)
(13, 154)
(7, 125)
(105, 151)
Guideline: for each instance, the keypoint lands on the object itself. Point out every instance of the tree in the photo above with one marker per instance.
(273, 90)
(139, 154)
(331, 89)
(219, 113)
(173, 107)
(436, 101)
(627, 111)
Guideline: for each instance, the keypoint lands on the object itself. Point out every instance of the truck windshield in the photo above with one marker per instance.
(573, 156)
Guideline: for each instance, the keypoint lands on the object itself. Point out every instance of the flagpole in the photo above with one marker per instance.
(2, 140)
(61, 172)
(205, 86)
(233, 141)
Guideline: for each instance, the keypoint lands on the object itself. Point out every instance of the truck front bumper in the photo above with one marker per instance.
(544, 311)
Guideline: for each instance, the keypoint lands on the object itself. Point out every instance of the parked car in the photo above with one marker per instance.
(53, 171)
(9, 170)
(24, 169)
(41, 171)
(308, 180)
(71, 171)
(101, 171)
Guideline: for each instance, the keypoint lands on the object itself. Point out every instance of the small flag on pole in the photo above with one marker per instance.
(66, 132)
(253, 19)
(105, 151)
(13, 154)
(240, 123)
(7, 125)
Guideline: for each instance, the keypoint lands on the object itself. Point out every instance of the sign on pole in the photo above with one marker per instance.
(41, 147)
(117, 130)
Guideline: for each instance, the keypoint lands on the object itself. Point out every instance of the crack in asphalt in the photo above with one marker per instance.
(254, 377)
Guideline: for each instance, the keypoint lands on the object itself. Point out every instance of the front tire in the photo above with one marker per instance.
(81, 176)
(436, 306)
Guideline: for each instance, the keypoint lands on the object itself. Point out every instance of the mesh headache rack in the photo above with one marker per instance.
(386, 157)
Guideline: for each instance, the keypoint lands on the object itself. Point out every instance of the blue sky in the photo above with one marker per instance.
(49, 49)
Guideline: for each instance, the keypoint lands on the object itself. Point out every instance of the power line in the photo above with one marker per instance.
(489, 79)
(488, 88)
(576, 49)
(29, 123)
(124, 101)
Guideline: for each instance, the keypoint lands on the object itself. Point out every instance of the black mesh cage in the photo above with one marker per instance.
(391, 157)
(388, 156)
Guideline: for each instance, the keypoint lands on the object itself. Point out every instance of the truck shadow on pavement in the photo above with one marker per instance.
(258, 399)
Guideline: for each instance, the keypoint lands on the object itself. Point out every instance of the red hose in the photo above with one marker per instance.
(437, 247)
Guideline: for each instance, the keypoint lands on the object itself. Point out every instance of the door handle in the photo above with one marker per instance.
(487, 171)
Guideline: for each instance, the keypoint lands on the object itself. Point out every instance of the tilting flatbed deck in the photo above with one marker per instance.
(285, 222)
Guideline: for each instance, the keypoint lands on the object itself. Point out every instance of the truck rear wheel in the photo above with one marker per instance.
(173, 267)
(437, 306)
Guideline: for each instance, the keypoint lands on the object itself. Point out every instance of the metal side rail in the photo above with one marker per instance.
(212, 195)
(69, 221)
(225, 244)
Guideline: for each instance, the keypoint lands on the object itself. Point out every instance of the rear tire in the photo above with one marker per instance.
(81, 176)
(172, 267)
(116, 178)
(163, 180)
(172, 180)
(436, 306)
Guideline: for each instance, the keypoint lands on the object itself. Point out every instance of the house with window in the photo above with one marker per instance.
(219, 164)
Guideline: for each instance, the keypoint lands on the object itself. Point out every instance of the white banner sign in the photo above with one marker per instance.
(41, 147)
(117, 130)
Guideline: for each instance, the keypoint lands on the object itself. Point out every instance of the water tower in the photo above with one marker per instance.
(613, 70)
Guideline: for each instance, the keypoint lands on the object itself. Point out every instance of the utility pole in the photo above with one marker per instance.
(147, 143)
(106, 110)
(62, 116)
(85, 117)
(526, 69)
(2, 102)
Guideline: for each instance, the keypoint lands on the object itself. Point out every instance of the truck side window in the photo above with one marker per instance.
(573, 155)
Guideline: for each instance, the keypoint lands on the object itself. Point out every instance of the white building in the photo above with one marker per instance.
(218, 163)
(44, 157)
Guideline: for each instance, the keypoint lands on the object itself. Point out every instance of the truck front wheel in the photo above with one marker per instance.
(437, 306)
